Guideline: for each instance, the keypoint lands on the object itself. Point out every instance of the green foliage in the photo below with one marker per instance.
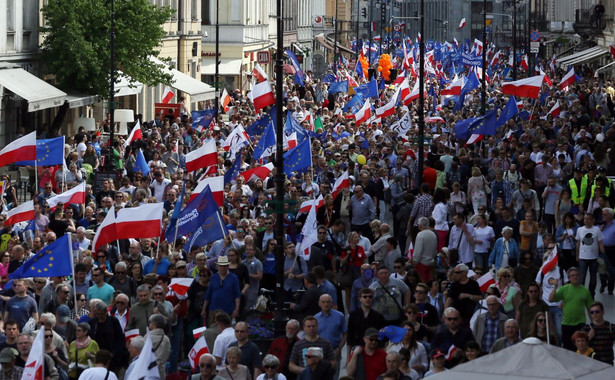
(77, 49)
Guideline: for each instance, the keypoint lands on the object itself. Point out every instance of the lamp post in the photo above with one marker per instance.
(335, 40)
(280, 315)
(111, 85)
(217, 72)
(514, 27)
(419, 180)
(483, 92)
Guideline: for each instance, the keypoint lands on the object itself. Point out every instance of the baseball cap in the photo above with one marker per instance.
(63, 313)
(437, 353)
(370, 332)
(7, 355)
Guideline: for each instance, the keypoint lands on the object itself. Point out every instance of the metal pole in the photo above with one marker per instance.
(369, 53)
(357, 27)
(111, 85)
(335, 41)
(514, 27)
(419, 179)
(382, 8)
(280, 316)
(483, 92)
(217, 76)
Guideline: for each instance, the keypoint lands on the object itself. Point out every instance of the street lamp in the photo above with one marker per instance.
(111, 85)
(484, 69)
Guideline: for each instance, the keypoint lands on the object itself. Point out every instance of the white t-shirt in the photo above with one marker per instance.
(221, 344)
(589, 238)
(97, 373)
(548, 282)
(484, 234)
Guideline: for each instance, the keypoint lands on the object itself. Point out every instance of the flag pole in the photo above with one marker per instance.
(72, 265)
(547, 323)
(36, 178)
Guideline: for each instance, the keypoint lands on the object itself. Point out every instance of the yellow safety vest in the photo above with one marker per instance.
(576, 197)
(607, 189)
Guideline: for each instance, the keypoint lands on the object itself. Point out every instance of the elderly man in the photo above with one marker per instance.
(207, 366)
(134, 350)
(332, 327)
(140, 312)
(511, 336)
(160, 342)
(121, 282)
(135, 254)
(223, 292)
(282, 347)
(489, 326)
(316, 368)
(24, 345)
(389, 295)
(298, 357)
(393, 361)
(362, 211)
(425, 250)
(463, 294)
(451, 333)
(367, 361)
(108, 333)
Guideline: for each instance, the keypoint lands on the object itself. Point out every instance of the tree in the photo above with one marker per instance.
(76, 47)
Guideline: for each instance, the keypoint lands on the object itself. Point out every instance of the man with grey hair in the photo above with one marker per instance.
(49, 321)
(315, 367)
(120, 309)
(134, 350)
(362, 211)
(282, 347)
(122, 282)
(141, 311)
(160, 342)
(24, 345)
(393, 361)
(207, 367)
(511, 336)
(108, 333)
(608, 236)
(489, 326)
(463, 294)
(452, 333)
(425, 250)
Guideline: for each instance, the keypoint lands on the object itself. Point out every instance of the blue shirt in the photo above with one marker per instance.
(221, 295)
(608, 234)
(332, 327)
(328, 288)
(161, 269)
(104, 293)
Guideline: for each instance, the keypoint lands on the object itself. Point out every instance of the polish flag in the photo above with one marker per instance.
(106, 232)
(434, 119)
(462, 23)
(400, 78)
(364, 113)
(237, 139)
(547, 80)
(389, 108)
(167, 95)
(474, 139)
(454, 88)
(451, 352)
(551, 262)
(262, 95)
(206, 155)
(199, 348)
(290, 142)
(131, 334)
(181, 285)
(197, 333)
(377, 38)
(305, 206)
(568, 79)
(555, 110)
(261, 172)
(524, 63)
(23, 212)
(33, 370)
(22, 149)
(413, 95)
(404, 90)
(216, 185)
(225, 100)
(528, 87)
(343, 182)
(496, 59)
(75, 195)
(485, 281)
(410, 252)
(135, 134)
(144, 221)
(259, 74)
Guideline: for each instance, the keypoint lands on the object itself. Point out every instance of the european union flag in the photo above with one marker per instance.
(202, 118)
(299, 158)
(233, 171)
(359, 68)
(462, 126)
(53, 260)
(393, 333)
(483, 125)
(336, 87)
(212, 228)
(322, 136)
(328, 78)
(299, 76)
(367, 90)
(509, 111)
(292, 125)
(354, 104)
(259, 126)
(140, 164)
(48, 152)
(266, 144)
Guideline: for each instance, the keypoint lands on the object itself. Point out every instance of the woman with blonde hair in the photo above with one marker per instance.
(510, 295)
(477, 189)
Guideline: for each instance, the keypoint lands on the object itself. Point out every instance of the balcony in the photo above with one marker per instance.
(586, 25)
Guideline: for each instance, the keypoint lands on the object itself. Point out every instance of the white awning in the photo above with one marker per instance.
(197, 90)
(581, 56)
(226, 67)
(79, 100)
(39, 94)
(610, 66)
(123, 87)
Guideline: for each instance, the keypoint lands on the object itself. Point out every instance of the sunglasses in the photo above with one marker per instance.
(270, 367)
(452, 319)
(541, 320)
(367, 296)
(595, 311)
(309, 356)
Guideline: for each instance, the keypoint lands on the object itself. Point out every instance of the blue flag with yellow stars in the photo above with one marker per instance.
(483, 125)
(48, 152)
(299, 158)
(211, 228)
(51, 261)
(508, 112)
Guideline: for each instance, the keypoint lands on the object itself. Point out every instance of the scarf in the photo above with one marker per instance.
(84, 344)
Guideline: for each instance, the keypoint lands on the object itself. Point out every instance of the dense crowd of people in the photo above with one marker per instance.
(390, 251)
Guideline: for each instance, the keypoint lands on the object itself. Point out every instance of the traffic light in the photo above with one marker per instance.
(364, 12)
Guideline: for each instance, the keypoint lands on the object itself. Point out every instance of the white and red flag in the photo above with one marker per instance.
(199, 348)
(33, 370)
(261, 172)
(22, 213)
(525, 64)
(342, 182)
(76, 195)
(134, 135)
(129, 334)
(167, 95)
(181, 285)
(259, 74)
(144, 221)
(462, 23)
(528, 87)
(551, 261)
(106, 232)
(474, 138)
(225, 100)
(547, 80)
(485, 281)
(364, 113)
(216, 185)
(568, 79)
(262, 95)
(237, 139)
(555, 110)
(206, 155)
(22, 149)
(389, 108)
